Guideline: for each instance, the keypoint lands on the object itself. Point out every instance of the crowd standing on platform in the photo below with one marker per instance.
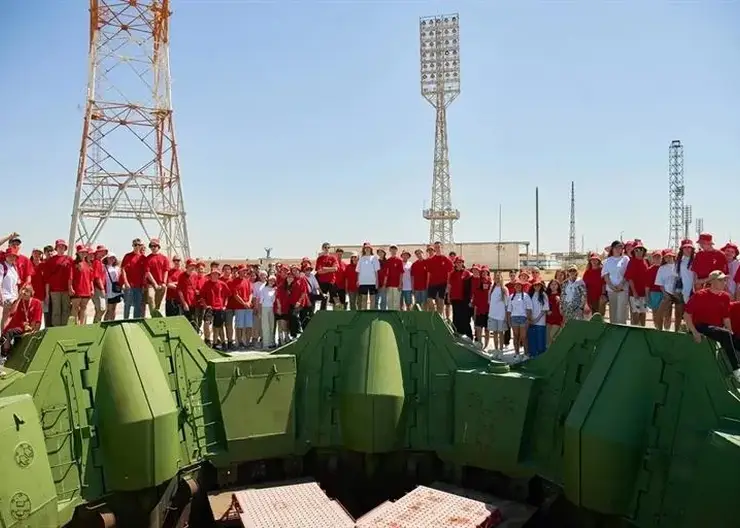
(245, 307)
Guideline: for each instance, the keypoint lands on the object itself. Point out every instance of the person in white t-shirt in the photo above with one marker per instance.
(519, 312)
(9, 279)
(266, 296)
(368, 266)
(666, 278)
(537, 329)
(497, 309)
(731, 252)
(617, 289)
(407, 290)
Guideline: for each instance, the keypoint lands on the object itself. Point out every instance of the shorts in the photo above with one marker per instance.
(244, 318)
(497, 325)
(638, 304)
(216, 317)
(327, 288)
(114, 300)
(367, 289)
(481, 320)
(407, 297)
(80, 297)
(438, 291)
(340, 295)
(654, 300)
(420, 296)
(518, 321)
(282, 317)
(229, 315)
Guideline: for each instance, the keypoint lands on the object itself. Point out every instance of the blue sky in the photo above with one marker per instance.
(300, 122)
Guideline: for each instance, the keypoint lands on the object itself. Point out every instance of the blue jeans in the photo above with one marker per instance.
(133, 298)
(381, 300)
(407, 298)
(536, 339)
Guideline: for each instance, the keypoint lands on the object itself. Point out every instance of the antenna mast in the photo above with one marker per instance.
(128, 167)
(572, 238)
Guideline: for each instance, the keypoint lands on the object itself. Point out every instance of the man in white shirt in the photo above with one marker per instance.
(9, 279)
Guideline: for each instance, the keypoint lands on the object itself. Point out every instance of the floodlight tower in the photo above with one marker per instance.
(688, 218)
(439, 38)
(699, 226)
(676, 224)
(128, 167)
(572, 238)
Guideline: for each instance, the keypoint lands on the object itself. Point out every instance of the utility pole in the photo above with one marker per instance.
(676, 192)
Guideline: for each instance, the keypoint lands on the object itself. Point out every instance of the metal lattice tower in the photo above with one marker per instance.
(699, 226)
(440, 85)
(128, 167)
(676, 193)
(688, 218)
(572, 237)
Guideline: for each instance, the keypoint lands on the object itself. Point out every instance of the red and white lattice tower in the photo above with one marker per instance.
(128, 166)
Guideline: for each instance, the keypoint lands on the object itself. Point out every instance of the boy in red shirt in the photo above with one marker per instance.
(25, 316)
(156, 270)
(707, 313)
(392, 279)
(214, 294)
(438, 267)
(187, 288)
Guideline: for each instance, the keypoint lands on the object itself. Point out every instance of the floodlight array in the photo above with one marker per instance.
(439, 38)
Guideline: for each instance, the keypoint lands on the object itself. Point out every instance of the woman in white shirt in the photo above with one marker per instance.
(519, 312)
(113, 294)
(666, 278)
(733, 264)
(368, 266)
(616, 287)
(498, 306)
(407, 293)
(9, 279)
(267, 315)
(256, 310)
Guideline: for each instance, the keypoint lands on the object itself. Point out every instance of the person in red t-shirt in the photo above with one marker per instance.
(187, 288)
(419, 279)
(327, 266)
(99, 279)
(438, 267)
(25, 316)
(595, 285)
(654, 292)
(156, 270)
(392, 277)
(707, 312)
(214, 294)
(58, 270)
(349, 277)
(171, 303)
(459, 291)
(340, 287)
(636, 275)
(706, 260)
(481, 299)
(133, 270)
(735, 318)
(81, 284)
(554, 317)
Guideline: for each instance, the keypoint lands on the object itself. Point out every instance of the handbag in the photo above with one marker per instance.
(114, 286)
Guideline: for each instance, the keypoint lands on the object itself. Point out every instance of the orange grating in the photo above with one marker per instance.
(426, 507)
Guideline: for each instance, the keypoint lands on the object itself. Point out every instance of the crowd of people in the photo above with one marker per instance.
(244, 306)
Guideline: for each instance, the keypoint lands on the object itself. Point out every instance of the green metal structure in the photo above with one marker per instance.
(131, 423)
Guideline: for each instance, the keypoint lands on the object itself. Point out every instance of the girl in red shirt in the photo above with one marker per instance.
(481, 299)
(554, 317)
(349, 279)
(595, 292)
(81, 284)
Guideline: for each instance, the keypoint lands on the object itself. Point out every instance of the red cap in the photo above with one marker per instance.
(687, 244)
(154, 242)
(732, 246)
(594, 256)
(81, 248)
(366, 244)
(630, 243)
(305, 259)
(36, 250)
(189, 262)
(60, 242)
(706, 238)
(101, 249)
(668, 253)
(657, 253)
(485, 268)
